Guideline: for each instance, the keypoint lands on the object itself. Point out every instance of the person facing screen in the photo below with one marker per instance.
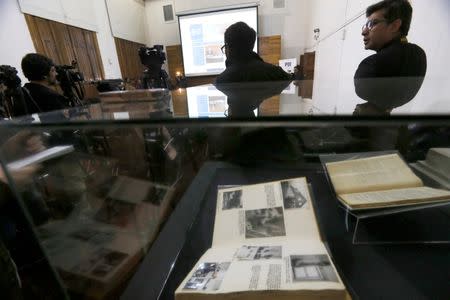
(242, 63)
(394, 75)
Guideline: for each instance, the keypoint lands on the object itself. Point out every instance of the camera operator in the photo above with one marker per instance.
(154, 76)
(12, 102)
(41, 73)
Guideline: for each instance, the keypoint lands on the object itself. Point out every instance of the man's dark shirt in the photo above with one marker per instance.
(45, 98)
(251, 68)
(393, 76)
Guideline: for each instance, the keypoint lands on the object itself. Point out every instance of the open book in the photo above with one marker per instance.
(266, 245)
(378, 182)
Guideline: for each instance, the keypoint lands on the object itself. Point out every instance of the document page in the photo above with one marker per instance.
(395, 197)
(293, 265)
(274, 210)
(371, 174)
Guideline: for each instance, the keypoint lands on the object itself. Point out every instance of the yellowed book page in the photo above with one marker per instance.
(290, 266)
(274, 210)
(371, 174)
(397, 197)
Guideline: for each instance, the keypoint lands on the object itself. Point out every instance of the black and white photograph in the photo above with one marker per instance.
(263, 223)
(312, 268)
(293, 194)
(208, 277)
(93, 236)
(108, 263)
(115, 212)
(232, 200)
(100, 263)
(259, 252)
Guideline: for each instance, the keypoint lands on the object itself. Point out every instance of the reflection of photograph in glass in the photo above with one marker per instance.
(259, 252)
(292, 195)
(207, 277)
(312, 268)
(262, 223)
(102, 270)
(91, 259)
(217, 103)
(108, 262)
(232, 200)
(115, 212)
(92, 236)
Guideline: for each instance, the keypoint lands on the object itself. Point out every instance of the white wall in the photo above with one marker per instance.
(14, 28)
(78, 13)
(15, 39)
(290, 22)
(338, 59)
(128, 19)
(106, 43)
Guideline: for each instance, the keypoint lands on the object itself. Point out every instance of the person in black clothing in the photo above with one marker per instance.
(242, 64)
(394, 75)
(41, 73)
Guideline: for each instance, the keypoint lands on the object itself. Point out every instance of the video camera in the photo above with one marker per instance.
(68, 73)
(8, 76)
(154, 58)
(10, 94)
(70, 80)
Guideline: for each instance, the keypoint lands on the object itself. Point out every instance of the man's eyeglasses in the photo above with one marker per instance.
(223, 48)
(370, 24)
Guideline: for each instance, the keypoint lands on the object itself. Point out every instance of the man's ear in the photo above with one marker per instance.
(396, 25)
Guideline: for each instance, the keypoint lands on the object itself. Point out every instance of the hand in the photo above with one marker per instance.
(20, 177)
(22, 144)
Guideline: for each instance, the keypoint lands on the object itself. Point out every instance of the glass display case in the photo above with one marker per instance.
(116, 199)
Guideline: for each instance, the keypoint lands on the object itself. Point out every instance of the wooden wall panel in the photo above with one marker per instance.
(270, 49)
(129, 61)
(92, 49)
(63, 44)
(270, 107)
(50, 47)
(174, 60)
(81, 52)
(180, 104)
(34, 32)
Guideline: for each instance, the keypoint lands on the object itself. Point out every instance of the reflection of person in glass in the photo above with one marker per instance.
(393, 76)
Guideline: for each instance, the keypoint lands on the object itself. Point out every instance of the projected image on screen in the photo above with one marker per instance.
(206, 102)
(202, 38)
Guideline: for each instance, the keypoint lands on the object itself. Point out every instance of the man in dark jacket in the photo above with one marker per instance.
(242, 64)
(394, 75)
(41, 73)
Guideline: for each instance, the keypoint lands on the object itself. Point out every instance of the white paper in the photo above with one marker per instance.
(40, 157)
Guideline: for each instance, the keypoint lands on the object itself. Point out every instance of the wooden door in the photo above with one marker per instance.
(307, 63)
(64, 43)
(129, 61)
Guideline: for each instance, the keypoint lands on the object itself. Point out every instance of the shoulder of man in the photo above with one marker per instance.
(367, 68)
(226, 76)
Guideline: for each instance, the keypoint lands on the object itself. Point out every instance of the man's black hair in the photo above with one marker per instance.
(36, 66)
(240, 36)
(393, 10)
